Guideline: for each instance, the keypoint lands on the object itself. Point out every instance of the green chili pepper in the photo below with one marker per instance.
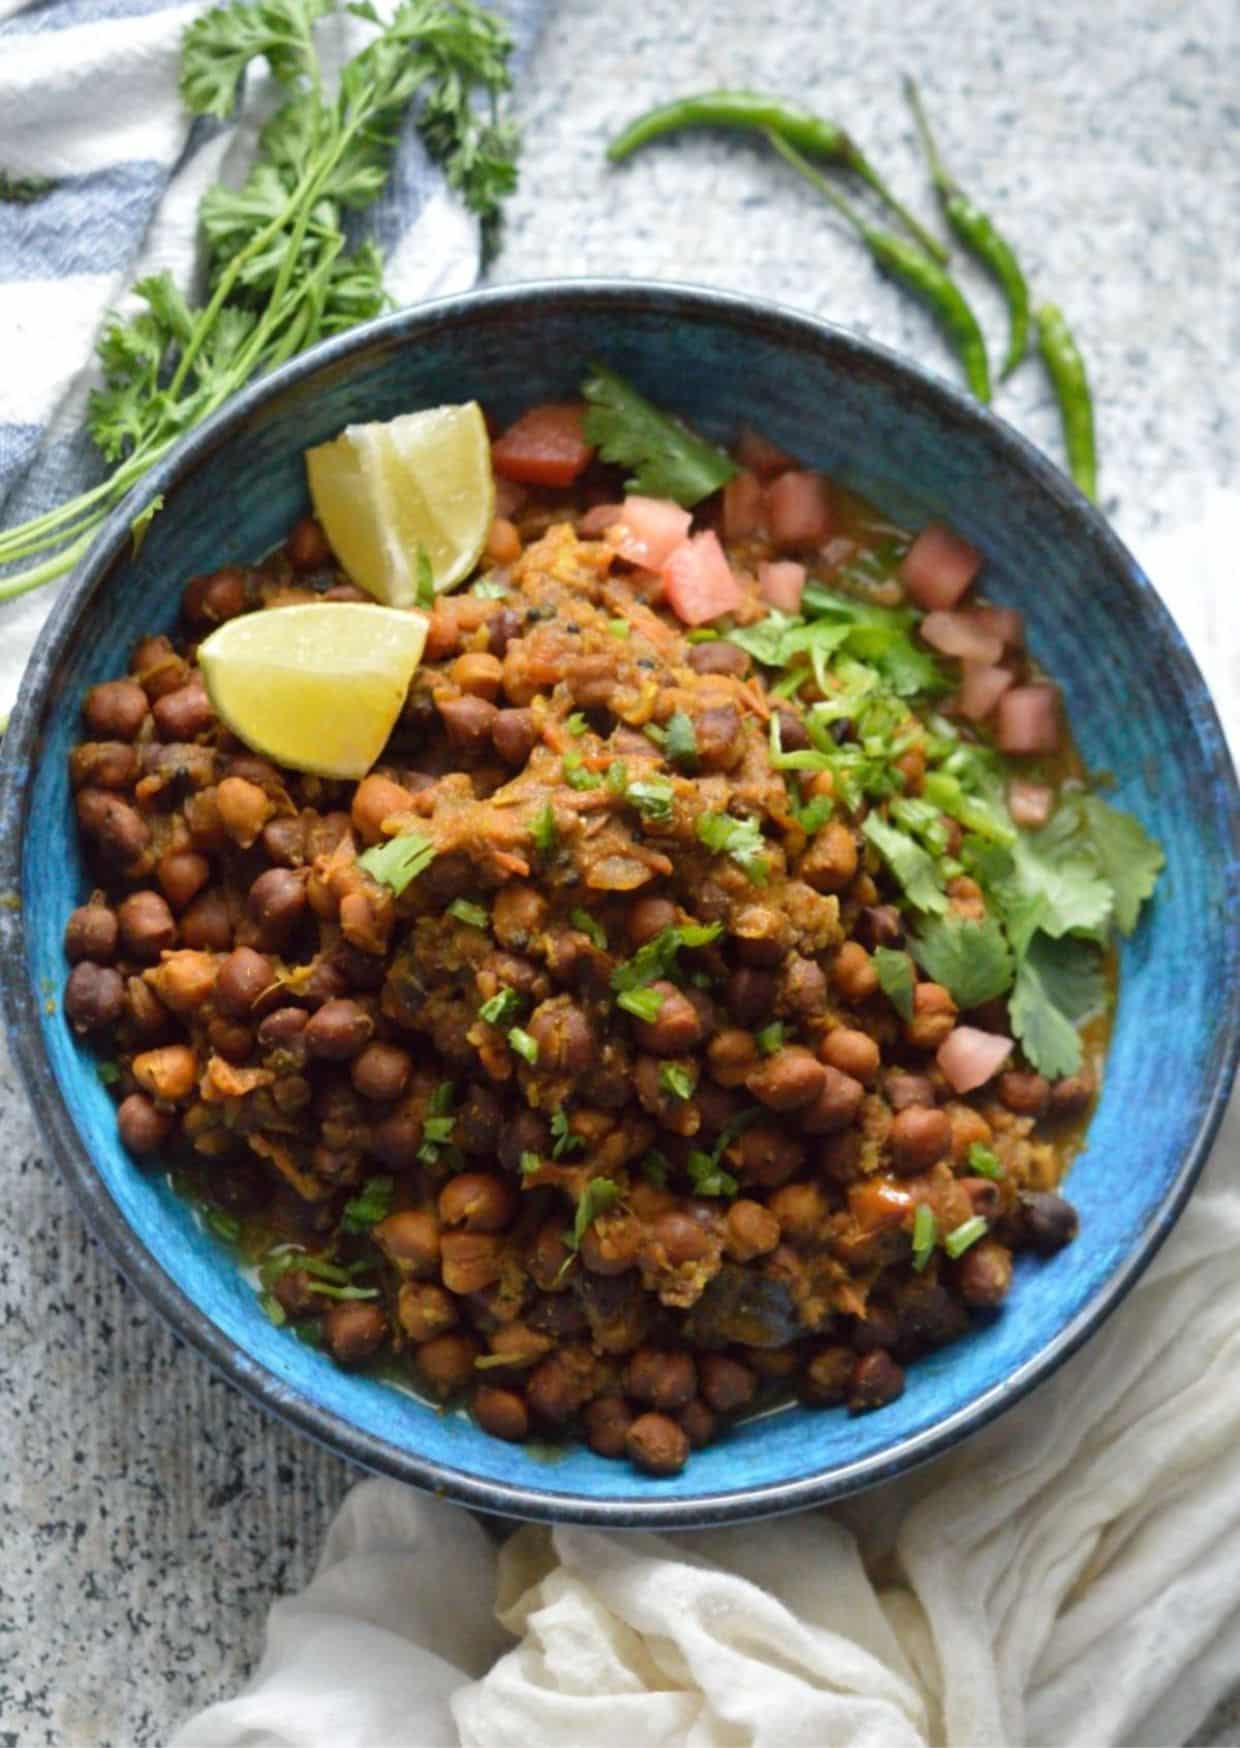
(1066, 369)
(978, 235)
(908, 263)
(750, 109)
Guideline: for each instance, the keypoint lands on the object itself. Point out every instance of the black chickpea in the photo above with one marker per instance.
(91, 933)
(245, 978)
(657, 1444)
(147, 926)
(339, 1030)
(381, 1072)
(919, 1137)
(276, 904)
(143, 1126)
(94, 997)
(115, 709)
(607, 1423)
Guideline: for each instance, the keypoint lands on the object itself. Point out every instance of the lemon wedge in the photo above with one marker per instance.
(413, 493)
(318, 686)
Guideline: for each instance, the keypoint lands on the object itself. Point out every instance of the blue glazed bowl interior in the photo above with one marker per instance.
(1137, 705)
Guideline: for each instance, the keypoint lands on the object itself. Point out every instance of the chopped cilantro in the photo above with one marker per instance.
(525, 1046)
(576, 775)
(599, 1195)
(681, 745)
(108, 1072)
(581, 919)
(619, 628)
(273, 1309)
(654, 1168)
(708, 1177)
(910, 864)
(896, 978)
(959, 1239)
(971, 960)
(771, 1037)
(501, 1008)
(544, 831)
(653, 798)
(925, 1235)
(740, 839)
(576, 724)
(976, 813)
(399, 861)
(563, 1137)
(643, 1004)
(701, 634)
(374, 1204)
(426, 580)
(814, 815)
(677, 1080)
(438, 1124)
(617, 777)
(465, 911)
(530, 1163)
(223, 1224)
(657, 958)
(669, 460)
(489, 589)
(653, 732)
(984, 1161)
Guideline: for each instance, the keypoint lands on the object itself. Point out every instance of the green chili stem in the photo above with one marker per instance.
(809, 133)
(914, 268)
(979, 235)
(1066, 369)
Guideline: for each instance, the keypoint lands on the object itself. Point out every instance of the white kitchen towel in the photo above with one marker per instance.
(1066, 1579)
(89, 102)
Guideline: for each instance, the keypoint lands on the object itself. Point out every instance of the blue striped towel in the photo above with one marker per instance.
(88, 98)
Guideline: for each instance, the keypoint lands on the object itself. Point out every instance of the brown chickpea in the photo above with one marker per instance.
(697, 1421)
(551, 1263)
(446, 1364)
(1072, 1095)
(830, 862)
(469, 1261)
(803, 987)
(282, 1030)
(852, 1052)
(726, 1385)
(717, 730)
(210, 599)
(117, 830)
(244, 809)
(115, 710)
(143, 1126)
(147, 926)
(366, 920)
(750, 995)
(837, 1105)
(648, 917)
(283, 841)
(772, 1362)
(478, 1201)
(751, 1230)
(514, 735)
(1027, 1094)
(611, 1243)
(518, 914)
(339, 1030)
(934, 1015)
(876, 1381)
(562, 1384)
(503, 542)
(307, 546)
(880, 925)
(766, 1156)
(479, 674)
(410, 1240)
(168, 1073)
(276, 904)
(424, 1310)
(467, 721)
(655, 1443)
(184, 714)
(158, 668)
(565, 1038)
(680, 1237)
(607, 1423)
(182, 874)
(480, 1122)
(984, 1273)
(664, 1379)
(500, 1412)
(146, 1015)
(853, 972)
(374, 800)
(245, 978)
(519, 1345)
(381, 1072)
(912, 765)
(985, 1196)
(91, 933)
(103, 764)
(902, 1090)
(731, 1055)
(354, 1330)
(207, 923)
(230, 1039)
(676, 1029)
(828, 1376)
(802, 1211)
(722, 657)
(791, 1078)
(920, 1136)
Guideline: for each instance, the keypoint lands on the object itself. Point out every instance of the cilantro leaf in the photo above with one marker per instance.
(740, 839)
(657, 958)
(374, 1204)
(563, 1137)
(653, 798)
(589, 925)
(1047, 1034)
(910, 864)
(1072, 974)
(896, 978)
(426, 580)
(1129, 858)
(971, 960)
(544, 830)
(399, 861)
(669, 460)
(767, 640)
(525, 1046)
(677, 1079)
(1063, 874)
(466, 911)
(643, 1004)
(599, 1195)
(501, 1008)
(680, 747)
(925, 1235)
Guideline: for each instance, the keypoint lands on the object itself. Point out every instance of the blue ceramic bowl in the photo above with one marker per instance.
(1138, 704)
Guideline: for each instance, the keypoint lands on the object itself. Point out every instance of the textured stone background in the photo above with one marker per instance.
(147, 1512)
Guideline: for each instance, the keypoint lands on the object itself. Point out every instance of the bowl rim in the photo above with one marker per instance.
(20, 1006)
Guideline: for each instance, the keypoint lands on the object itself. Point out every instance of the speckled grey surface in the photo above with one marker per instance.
(147, 1512)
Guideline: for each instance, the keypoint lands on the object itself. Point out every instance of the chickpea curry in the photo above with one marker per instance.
(699, 1000)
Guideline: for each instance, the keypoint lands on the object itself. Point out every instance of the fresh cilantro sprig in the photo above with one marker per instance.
(668, 459)
(284, 267)
(658, 959)
(599, 1195)
(739, 839)
(374, 1204)
(398, 863)
(972, 960)
(896, 978)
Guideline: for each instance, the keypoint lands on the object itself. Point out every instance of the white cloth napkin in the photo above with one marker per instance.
(1066, 1578)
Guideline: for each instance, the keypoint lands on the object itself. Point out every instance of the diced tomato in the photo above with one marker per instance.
(760, 455)
(509, 497)
(798, 510)
(969, 1057)
(699, 581)
(1028, 720)
(546, 446)
(650, 529)
(742, 506)
(959, 634)
(598, 519)
(1030, 804)
(938, 567)
(981, 688)
(781, 583)
(1005, 623)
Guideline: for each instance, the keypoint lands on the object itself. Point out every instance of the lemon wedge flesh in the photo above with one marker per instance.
(416, 491)
(316, 687)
